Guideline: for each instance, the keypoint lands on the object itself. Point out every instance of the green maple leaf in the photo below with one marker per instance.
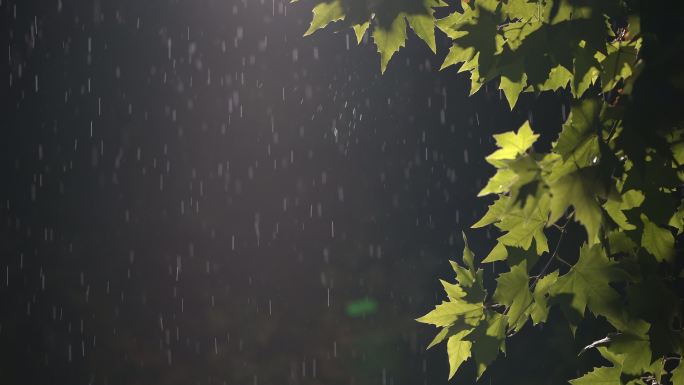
(469, 57)
(453, 291)
(513, 291)
(470, 279)
(578, 140)
(424, 27)
(677, 219)
(620, 242)
(468, 256)
(423, 24)
(501, 182)
(495, 212)
(635, 351)
(629, 200)
(511, 144)
(324, 14)
(677, 377)
(477, 43)
(558, 78)
(447, 313)
(618, 64)
(441, 336)
(389, 40)
(600, 376)
(517, 256)
(488, 339)
(523, 225)
(517, 32)
(458, 351)
(587, 285)
(579, 189)
(458, 54)
(519, 9)
(388, 37)
(612, 357)
(513, 81)
(466, 277)
(498, 253)
(586, 70)
(658, 241)
(539, 310)
(360, 30)
(453, 24)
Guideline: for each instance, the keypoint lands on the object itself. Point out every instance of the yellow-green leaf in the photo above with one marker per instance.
(360, 30)
(629, 200)
(600, 376)
(511, 144)
(324, 14)
(389, 40)
(424, 27)
(678, 374)
(488, 339)
(441, 335)
(453, 291)
(513, 291)
(587, 285)
(447, 313)
(578, 189)
(539, 310)
(658, 241)
(458, 351)
(498, 253)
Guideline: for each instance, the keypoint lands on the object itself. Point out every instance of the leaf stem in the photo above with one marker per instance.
(553, 256)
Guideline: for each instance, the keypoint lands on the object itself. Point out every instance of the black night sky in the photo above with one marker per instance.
(194, 193)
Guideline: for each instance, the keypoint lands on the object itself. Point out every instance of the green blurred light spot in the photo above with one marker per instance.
(361, 307)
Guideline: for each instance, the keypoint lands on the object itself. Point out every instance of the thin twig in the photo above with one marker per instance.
(553, 256)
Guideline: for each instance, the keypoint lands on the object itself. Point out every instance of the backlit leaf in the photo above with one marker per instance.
(324, 14)
(511, 144)
(447, 313)
(658, 241)
(513, 291)
(389, 40)
(600, 376)
(458, 351)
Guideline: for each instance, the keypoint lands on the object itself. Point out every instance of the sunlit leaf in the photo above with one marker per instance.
(513, 291)
(458, 351)
(488, 339)
(360, 30)
(539, 310)
(580, 190)
(447, 313)
(512, 144)
(389, 40)
(658, 241)
(587, 285)
(600, 376)
(678, 374)
(324, 14)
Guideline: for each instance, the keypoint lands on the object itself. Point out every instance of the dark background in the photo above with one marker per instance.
(193, 193)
